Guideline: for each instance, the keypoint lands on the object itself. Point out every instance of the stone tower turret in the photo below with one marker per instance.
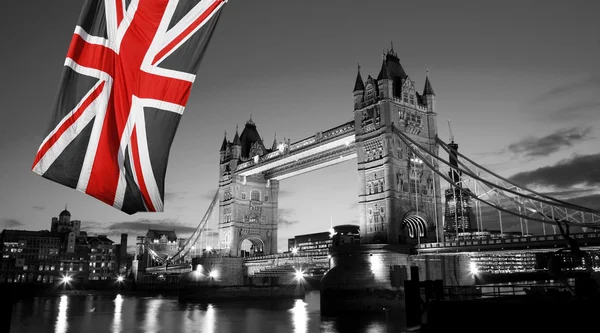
(359, 90)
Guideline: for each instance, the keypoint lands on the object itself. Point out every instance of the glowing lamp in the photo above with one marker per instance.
(209, 248)
(66, 279)
(213, 274)
(473, 268)
(294, 250)
(299, 274)
(120, 278)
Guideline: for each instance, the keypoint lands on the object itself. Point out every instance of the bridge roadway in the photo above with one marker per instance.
(588, 240)
(266, 266)
(284, 264)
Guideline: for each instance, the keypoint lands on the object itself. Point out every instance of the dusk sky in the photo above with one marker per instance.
(519, 80)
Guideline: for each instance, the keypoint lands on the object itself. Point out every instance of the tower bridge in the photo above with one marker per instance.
(402, 210)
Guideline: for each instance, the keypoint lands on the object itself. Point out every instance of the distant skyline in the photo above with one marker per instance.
(519, 80)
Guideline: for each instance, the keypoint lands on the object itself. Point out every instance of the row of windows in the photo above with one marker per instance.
(376, 227)
(255, 196)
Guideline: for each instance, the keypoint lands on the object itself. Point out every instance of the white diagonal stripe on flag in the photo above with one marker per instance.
(146, 165)
(185, 22)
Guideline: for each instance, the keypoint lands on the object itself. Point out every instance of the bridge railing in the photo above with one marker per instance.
(287, 255)
(466, 293)
(511, 240)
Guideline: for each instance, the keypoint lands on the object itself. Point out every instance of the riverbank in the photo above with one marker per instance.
(19, 291)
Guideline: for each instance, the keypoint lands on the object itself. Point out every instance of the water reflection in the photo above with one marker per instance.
(132, 314)
(61, 319)
(117, 325)
(209, 319)
(150, 320)
(299, 316)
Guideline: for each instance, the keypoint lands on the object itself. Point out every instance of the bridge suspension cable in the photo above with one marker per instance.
(185, 249)
(538, 207)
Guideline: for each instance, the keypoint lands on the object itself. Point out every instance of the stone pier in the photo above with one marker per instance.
(370, 277)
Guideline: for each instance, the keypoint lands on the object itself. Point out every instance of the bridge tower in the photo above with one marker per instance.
(399, 197)
(247, 205)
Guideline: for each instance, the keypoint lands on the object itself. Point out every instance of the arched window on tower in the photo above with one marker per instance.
(370, 95)
(255, 195)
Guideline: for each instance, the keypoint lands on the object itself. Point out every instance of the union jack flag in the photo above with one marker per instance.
(127, 78)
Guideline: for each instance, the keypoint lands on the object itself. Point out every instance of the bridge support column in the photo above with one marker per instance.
(370, 277)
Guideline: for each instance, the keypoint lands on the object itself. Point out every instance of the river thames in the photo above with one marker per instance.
(154, 314)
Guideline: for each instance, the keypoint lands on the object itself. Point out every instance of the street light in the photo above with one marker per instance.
(294, 250)
(120, 278)
(299, 274)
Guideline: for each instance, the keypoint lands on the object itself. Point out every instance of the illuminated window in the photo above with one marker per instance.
(255, 195)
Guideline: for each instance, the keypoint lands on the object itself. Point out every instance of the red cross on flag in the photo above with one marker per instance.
(127, 78)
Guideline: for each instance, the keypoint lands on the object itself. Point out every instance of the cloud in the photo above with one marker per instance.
(588, 201)
(579, 170)
(544, 146)
(208, 195)
(284, 217)
(283, 193)
(172, 196)
(38, 207)
(136, 228)
(572, 87)
(568, 194)
(574, 110)
(11, 223)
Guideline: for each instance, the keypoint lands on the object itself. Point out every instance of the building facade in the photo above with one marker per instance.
(459, 217)
(399, 197)
(247, 205)
(64, 251)
(323, 241)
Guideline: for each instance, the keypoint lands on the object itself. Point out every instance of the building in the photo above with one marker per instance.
(505, 262)
(322, 241)
(104, 257)
(65, 250)
(248, 206)
(458, 214)
(29, 256)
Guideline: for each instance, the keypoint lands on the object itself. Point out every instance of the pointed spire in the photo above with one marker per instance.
(224, 144)
(384, 73)
(236, 138)
(359, 84)
(250, 121)
(391, 51)
(427, 90)
(274, 147)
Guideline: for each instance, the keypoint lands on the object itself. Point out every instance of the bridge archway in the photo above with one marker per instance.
(415, 226)
(251, 245)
